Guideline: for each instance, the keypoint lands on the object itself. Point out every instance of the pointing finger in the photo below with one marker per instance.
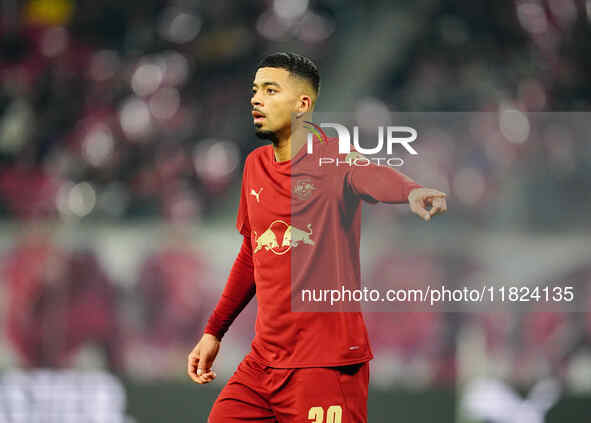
(436, 193)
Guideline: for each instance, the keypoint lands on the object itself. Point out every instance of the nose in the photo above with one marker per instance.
(255, 101)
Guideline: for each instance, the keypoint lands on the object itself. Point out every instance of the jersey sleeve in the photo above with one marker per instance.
(239, 290)
(242, 219)
(374, 183)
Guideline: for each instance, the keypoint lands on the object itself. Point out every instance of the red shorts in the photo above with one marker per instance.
(259, 393)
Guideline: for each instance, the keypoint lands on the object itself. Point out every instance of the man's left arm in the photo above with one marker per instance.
(375, 183)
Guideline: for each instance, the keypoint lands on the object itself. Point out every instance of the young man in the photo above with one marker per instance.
(303, 366)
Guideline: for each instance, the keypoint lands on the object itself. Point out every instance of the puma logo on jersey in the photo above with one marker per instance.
(256, 194)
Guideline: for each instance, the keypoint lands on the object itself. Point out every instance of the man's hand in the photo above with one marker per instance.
(201, 359)
(421, 198)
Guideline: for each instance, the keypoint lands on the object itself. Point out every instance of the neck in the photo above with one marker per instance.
(289, 145)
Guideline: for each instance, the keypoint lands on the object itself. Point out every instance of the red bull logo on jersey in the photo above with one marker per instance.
(290, 236)
(293, 236)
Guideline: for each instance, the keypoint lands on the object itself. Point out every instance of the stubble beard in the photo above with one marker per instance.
(266, 135)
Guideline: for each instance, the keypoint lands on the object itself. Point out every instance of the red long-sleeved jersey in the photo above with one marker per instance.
(301, 224)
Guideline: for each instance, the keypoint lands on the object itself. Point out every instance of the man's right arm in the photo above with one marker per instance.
(238, 292)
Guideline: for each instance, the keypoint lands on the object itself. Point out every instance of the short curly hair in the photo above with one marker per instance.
(295, 64)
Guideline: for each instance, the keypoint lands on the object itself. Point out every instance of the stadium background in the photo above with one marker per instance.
(123, 128)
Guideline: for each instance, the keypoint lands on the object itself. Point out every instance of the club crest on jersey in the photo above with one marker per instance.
(302, 189)
(290, 237)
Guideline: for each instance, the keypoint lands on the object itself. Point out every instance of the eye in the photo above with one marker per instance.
(271, 91)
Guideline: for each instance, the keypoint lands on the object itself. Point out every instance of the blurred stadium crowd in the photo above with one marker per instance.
(120, 111)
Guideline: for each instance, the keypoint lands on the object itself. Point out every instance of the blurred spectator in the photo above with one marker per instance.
(173, 287)
(92, 308)
(58, 303)
(35, 271)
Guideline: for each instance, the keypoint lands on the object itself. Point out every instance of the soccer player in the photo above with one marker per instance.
(303, 366)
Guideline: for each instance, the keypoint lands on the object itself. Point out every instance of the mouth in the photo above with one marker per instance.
(257, 116)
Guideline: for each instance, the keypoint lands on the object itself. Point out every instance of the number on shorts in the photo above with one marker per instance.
(334, 414)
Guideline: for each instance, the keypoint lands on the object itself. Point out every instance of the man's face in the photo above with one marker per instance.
(275, 96)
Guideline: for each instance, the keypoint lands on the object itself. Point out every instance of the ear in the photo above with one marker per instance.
(304, 105)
